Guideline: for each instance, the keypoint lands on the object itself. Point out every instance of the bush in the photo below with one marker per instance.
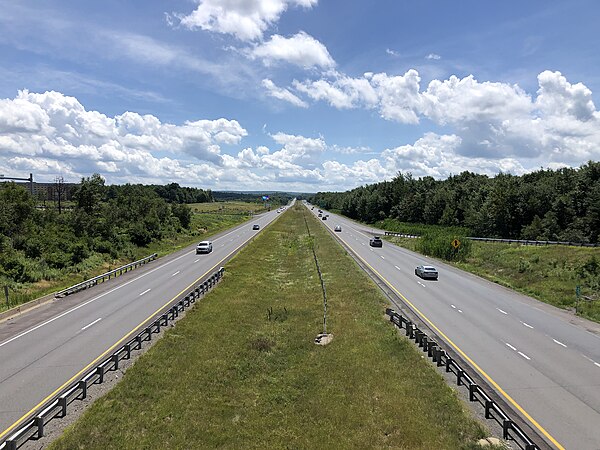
(439, 245)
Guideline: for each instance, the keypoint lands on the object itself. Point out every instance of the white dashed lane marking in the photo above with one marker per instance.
(524, 355)
(145, 292)
(89, 325)
(510, 346)
(559, 343)
(527, 325)
(197, 260)
(381, 256)
(176, 273)
(503, 312)
(421, 283)
(397, 267)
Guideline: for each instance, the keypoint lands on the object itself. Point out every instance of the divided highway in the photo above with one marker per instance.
(42, 350)
(543, 366)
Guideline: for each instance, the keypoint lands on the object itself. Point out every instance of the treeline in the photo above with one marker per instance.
(106, 222)
(276, 198)
(561, 204)
(173, 193)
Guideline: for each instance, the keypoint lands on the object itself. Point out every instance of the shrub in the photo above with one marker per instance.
(439, 245)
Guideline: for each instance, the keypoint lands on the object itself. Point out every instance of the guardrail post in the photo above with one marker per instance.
(128, 350)
(39, 424)
(449, 361)
(488, 408)
(62, 402)
(472, 391)
(506, 426)
(115, 359)
(83, 386)
(100, 372)
(459, 375)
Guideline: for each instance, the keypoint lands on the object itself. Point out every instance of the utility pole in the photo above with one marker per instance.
(59, 186)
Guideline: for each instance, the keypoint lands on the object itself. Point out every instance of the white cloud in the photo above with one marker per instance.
(247, 20)
(283, 94)
(301, 50)
(436, 155)
(391, 52)
(52, 132)
(494, 120)
(433, 56)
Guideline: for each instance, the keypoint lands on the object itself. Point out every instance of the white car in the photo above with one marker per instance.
(204, 247)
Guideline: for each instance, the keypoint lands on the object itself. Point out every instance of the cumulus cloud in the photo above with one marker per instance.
(301, 50)
(247, 20)
(50, 132)
(283, 94)
(433, 56)
(494, 120)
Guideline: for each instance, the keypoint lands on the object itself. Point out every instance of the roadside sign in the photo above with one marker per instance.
(578, 291)
(455, 243)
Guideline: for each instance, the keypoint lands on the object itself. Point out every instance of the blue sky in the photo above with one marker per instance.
(299, 95)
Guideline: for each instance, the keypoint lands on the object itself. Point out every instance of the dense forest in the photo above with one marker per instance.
(104, 222)
(561, 204)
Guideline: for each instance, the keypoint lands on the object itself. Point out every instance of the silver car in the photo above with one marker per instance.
(427, 272)
(204, 247)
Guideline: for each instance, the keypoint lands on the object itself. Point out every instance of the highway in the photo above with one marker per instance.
(543, 364)
(43, 349)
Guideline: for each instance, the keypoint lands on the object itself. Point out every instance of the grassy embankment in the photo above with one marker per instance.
(231, 375)
(548, 273)
(208, 219)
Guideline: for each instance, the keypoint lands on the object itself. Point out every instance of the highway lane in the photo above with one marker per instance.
(549, 367)
(41, 351)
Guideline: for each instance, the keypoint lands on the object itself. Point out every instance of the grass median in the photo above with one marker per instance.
(241, 369)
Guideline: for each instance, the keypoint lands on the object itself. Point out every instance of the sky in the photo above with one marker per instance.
(295, 95)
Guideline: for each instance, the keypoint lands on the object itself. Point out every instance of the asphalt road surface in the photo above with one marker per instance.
(544, 362)
(42, 350)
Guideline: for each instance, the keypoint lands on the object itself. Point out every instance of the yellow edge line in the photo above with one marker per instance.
(32, 410)
(463, 354)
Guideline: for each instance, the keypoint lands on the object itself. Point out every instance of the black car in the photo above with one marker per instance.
(376, 241)
(256, 226)
(338, 228)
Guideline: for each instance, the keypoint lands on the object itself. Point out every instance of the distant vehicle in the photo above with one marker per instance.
(312, 208)
(204, 247)
(320, 215)
(324, 217)
(338, 228)
(426, 272)
(375, 241)
(256, 226)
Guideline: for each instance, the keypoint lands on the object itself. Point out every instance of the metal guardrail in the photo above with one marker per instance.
(510, 430)
(33, 428)
(105, 276)
(507, 241)
(530, 242)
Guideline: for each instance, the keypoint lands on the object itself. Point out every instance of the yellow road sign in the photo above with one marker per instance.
(455, 243)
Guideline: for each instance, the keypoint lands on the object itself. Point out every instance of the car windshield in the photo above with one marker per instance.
(429, 269)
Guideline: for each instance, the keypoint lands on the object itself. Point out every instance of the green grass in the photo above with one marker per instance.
(202, 226)
(229, 377)
(233, 207)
